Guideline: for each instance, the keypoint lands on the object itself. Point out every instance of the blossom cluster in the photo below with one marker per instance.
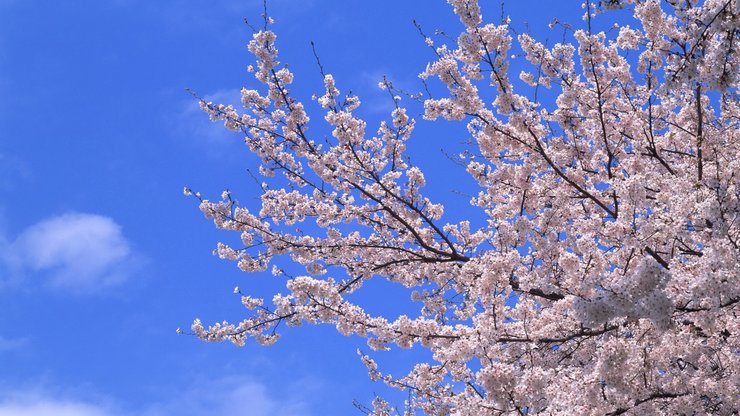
(612, 218)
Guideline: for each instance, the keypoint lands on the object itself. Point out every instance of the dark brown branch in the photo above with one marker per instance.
(699, 133)
(657, 257)
(654, 396)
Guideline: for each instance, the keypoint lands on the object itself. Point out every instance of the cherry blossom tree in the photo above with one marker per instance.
(604, 279)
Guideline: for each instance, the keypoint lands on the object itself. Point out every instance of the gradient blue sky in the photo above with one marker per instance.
(102, 258)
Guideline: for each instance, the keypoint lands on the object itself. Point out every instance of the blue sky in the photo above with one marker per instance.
(102, 258)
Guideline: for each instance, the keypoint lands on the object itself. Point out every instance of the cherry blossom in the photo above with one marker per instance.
(612, 217)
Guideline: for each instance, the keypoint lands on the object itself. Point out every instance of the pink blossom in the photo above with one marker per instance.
(603, 276)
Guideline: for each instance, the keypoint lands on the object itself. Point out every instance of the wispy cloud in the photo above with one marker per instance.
(192, 125)
(45, 407)
(37, 402)
(75, 252)
(9, 344)
(226, 396)
(374, 100)
(12, 169)
(195, 122)
(232, 396)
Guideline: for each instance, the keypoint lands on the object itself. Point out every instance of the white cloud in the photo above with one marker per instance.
(50, 408)
(227, 396)
(233, 396)
(37, 402)
(76, 252)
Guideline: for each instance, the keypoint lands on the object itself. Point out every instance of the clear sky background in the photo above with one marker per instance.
(102, 258)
